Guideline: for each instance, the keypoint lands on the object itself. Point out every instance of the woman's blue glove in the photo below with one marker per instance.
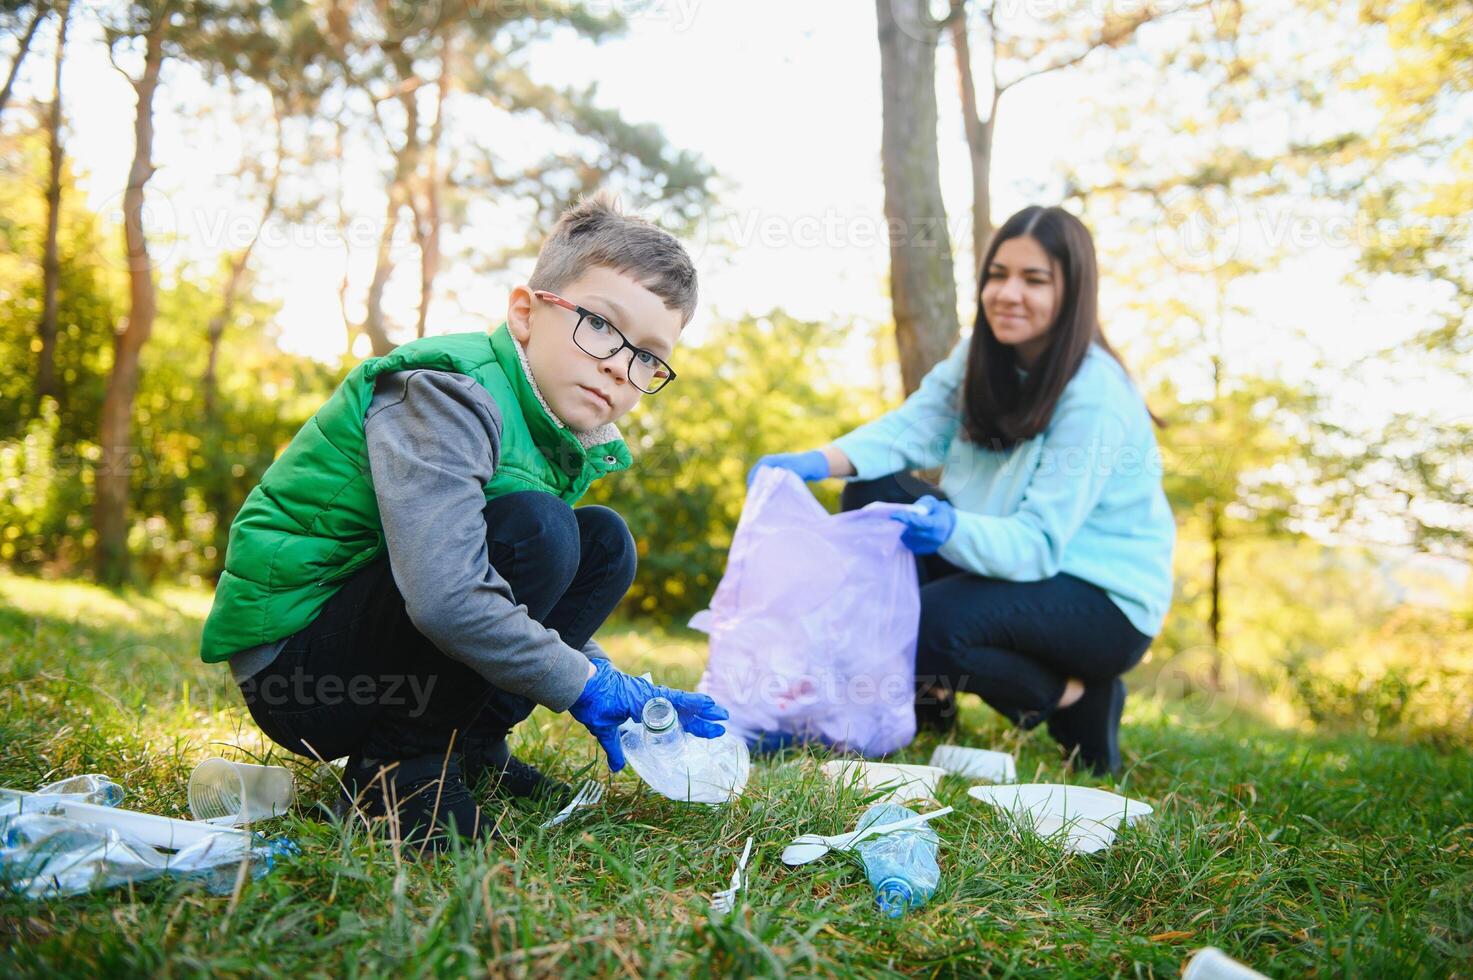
(611, 697)
(812, 465)
(926, 532)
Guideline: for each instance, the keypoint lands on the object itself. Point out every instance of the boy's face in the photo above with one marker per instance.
(582, 390)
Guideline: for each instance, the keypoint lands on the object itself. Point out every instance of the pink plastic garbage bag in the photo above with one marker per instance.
(813, 627)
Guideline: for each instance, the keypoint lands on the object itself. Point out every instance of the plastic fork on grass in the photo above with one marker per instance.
(724, 901)
(589, 794)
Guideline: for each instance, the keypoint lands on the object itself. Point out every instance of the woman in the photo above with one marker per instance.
(1045, 554)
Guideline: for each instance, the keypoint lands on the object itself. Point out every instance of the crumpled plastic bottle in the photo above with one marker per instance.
(44, 852)
(680, 766)
(901, 865)
(92, 787)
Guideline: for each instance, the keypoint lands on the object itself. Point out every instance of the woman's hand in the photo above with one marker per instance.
(812, 465)
(928, 523)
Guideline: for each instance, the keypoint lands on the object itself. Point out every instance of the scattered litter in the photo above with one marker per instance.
(679, 765)
(901, 865)
(724, 901)
(1089, 818)
(903, 783)
(810, 847)
(233, 793)
(62, 841)
(813, 626)
(1211, 963)
(959, 760)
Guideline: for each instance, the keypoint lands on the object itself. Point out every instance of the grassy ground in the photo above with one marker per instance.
(1335, 856)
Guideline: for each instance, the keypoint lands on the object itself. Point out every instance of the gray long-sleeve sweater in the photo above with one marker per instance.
(434, 439)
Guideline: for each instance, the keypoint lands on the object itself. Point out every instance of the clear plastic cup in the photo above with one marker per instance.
(233, 793)
(1211, 963)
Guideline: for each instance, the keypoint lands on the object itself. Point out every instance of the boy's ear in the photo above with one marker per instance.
(519, 313)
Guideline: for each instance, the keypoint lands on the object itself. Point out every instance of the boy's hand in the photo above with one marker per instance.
(812, 465)
(611, 697)
(928, 526)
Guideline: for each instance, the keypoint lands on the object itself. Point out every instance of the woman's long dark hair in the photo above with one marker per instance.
(999, 409)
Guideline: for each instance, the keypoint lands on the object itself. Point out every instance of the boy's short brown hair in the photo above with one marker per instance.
(596, 232)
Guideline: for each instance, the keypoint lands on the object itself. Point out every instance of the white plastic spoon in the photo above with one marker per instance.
(811, 847)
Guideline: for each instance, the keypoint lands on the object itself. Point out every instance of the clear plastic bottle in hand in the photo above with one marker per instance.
(664, 735)
(679, 765)
(901, 865)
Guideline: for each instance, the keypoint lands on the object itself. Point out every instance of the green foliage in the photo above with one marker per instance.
(91, 294)
(1417, 203)
(42, 502)
(46, 450)
(1405, 674)
(754, 386)
(186, 467)
(1421, 202)
(195, 469)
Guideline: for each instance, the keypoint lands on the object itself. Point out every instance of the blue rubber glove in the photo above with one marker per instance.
(611, 697)
(812, 465)
(926, 532)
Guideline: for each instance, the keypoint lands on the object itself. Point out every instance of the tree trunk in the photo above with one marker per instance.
(373, 321)
(46, 383)
(979, 135)
(343, 236)
(922, 280)
(1215, 530)
(428, 218)
(1214, 613)
(237, 274)
(20, 54)
(115, 435)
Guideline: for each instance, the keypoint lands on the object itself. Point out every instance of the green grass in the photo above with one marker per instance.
(1297, 853)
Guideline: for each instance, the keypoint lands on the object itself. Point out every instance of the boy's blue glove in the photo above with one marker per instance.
(926, 532)
(611, 697)
(812, 465)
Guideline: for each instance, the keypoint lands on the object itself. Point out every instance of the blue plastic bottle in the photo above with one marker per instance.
(901, 866)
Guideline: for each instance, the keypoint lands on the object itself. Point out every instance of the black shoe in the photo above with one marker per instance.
(1091, 726)
(935, 712)
(425, 799)
(506, 775)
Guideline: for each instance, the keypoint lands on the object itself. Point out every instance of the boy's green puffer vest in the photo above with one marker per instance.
(313, 520)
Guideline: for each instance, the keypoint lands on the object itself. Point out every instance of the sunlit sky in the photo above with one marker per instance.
(783, 100)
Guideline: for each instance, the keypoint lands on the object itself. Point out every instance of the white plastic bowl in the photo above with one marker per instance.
(960, 760)
(905, 783)
(1088, 817)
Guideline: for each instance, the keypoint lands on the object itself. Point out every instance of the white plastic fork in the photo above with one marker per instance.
(724, 901)
(811, 847)
(589, 794)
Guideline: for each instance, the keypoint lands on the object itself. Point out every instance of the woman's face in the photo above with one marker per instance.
(1020, 291)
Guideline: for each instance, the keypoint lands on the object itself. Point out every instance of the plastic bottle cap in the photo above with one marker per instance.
(894, 896)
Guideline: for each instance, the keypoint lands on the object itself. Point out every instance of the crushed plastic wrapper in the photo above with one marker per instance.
(44, 853)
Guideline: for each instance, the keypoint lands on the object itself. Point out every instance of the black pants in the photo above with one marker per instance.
(362, 680)
(1013, 643)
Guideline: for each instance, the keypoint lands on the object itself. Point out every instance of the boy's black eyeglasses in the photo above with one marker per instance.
(599, 338)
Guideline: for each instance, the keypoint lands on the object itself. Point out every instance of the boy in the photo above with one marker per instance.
(410, 579)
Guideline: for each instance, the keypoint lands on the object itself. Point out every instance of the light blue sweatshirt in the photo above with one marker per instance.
(1083, 496)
